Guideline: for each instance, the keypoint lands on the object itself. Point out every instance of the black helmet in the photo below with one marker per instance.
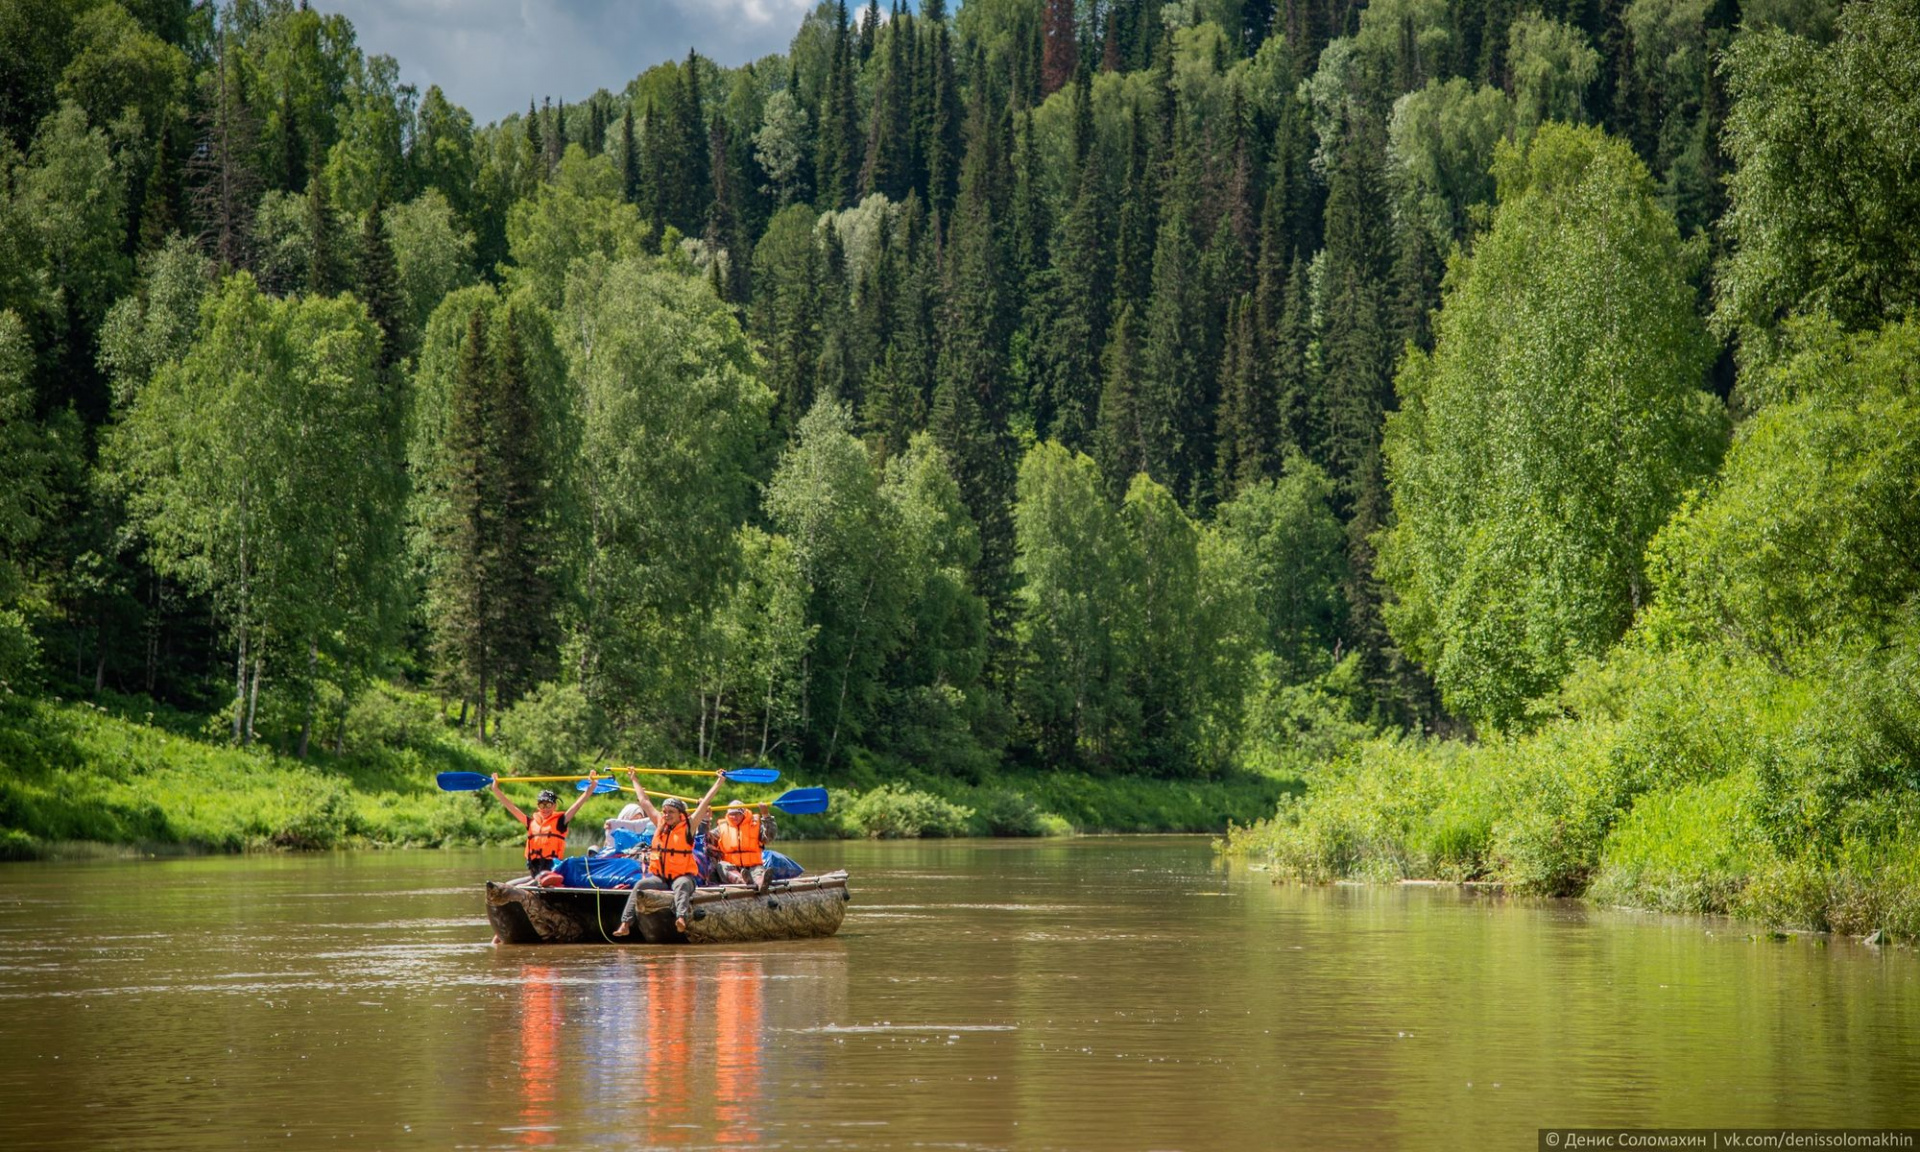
(549, 796)
(676, 802)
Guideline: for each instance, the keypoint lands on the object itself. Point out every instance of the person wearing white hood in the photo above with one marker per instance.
(629, 832)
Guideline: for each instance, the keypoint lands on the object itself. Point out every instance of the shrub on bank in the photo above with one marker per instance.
(895, 811)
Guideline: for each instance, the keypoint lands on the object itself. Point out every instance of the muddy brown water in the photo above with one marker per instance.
(1086, 994)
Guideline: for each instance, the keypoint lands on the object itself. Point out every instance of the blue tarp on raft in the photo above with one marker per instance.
(622, 871)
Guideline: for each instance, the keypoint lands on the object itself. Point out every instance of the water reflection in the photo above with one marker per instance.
(738, 1040)
(1120, 994)
(542, 1021)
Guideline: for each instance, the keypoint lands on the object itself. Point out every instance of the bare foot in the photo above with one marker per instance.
(623, 929)
(496, 939)
(680, 924)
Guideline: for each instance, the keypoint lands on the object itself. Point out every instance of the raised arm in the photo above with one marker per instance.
(517, 814)
(593, 778)
(706, 802)
(767, 827)
(640, 794)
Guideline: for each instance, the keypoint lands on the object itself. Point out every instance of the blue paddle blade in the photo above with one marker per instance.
(462, 781)
(601, 787)
(754, 775)
(802, 801)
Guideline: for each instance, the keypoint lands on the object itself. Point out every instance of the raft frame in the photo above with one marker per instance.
(804, 907)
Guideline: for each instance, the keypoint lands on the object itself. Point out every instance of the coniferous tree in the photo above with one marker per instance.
(1294, 385)
(464, 536)
(226, 183)
(160, 199)
(1172, 390)
(840, 155)
(522, 618)
(1120, 443)
(725, 240)
(378, 286)
(869, 30)
(970, 409)
(1246, 449)
(553, 135)
(324, 274)
(629, 159)
(1060, 57)
(532, 125)
(937, 119)
(887, 168)
(1082, 293)
(691, 150)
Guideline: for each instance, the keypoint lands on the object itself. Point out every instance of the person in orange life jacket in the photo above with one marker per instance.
(672, 864)
(547, 827)
(736, 847)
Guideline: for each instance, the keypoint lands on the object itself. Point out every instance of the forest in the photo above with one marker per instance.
(1488, 428)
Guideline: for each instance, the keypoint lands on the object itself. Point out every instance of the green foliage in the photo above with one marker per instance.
(1786, 556)
(580, 212)
(553, 730)
(1823, 212)
(897, 812)
(672, 418)
(1557, 423)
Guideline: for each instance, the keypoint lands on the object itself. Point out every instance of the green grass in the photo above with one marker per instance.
(104, 772)
(123, 771)
(1661, 781)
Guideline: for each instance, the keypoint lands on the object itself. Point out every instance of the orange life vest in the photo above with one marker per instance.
(673, 852)
(739, 846)
(545, 840)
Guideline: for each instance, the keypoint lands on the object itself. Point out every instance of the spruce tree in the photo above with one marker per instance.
(937, 123)
(1082, 295)
(464, 537)
(839, 154)
(1172, 391)
(377, 283)
(869, 30)
(160, 199)
(1120, 441)
(1060, 57)
(521, 616)
(888, 166)
(1295, 387)
(553, 137)
(324, 274)
(970, 409)
(725, 241)
(629, 159)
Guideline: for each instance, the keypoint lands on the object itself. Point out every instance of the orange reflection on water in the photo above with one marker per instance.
(704, 1024)
(737, 1014)
(541, 1022)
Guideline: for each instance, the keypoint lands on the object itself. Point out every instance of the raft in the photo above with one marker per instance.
(796, 909)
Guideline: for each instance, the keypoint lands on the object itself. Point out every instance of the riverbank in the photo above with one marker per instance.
(123, 772)
(1668, 781)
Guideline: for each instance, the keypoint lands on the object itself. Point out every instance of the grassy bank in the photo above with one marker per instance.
(1665, 781)
(120, 771)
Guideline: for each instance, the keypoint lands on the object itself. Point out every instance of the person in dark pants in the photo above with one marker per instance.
(737, 846)
(673, 865)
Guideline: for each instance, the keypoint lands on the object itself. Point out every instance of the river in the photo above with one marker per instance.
(1103, 993)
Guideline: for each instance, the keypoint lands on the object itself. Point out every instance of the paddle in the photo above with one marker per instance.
(474, 781)
(794, 801)
(737, 775)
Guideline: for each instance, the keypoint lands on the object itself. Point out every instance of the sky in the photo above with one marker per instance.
(491, 55)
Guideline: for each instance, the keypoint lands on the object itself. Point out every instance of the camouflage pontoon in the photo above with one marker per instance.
(795, 909)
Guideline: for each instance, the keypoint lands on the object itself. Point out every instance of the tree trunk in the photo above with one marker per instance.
(240, 686)
(313, 670)
(253, 697)
(846, 673)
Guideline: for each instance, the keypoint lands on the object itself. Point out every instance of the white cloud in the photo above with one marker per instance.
(492, 55)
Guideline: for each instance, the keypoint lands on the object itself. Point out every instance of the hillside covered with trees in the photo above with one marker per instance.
(1454, 403)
